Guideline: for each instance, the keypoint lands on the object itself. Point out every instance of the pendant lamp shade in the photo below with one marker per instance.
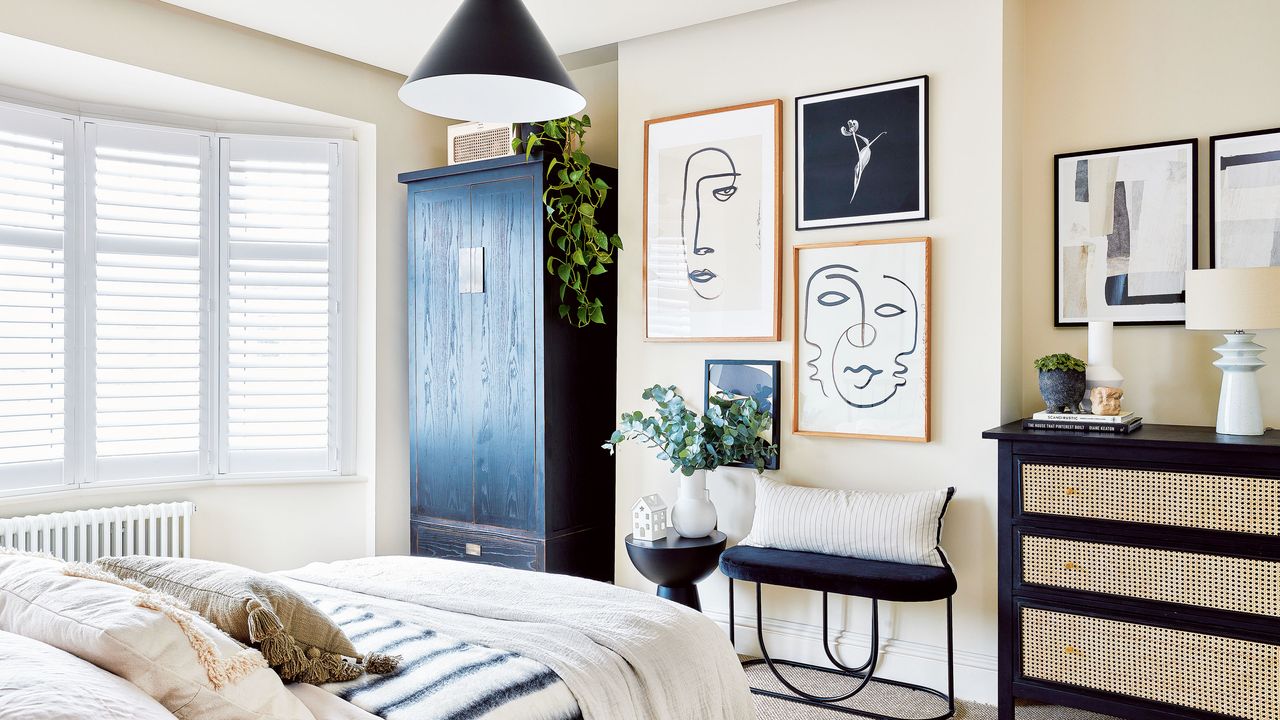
(491, 63)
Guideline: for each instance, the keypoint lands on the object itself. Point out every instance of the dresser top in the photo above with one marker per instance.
(1185, 436)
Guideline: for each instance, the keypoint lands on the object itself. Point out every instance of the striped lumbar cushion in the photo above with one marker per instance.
(894, 527)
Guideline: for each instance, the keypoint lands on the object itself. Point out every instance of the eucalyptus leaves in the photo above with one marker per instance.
(729, 432)
(572, 197)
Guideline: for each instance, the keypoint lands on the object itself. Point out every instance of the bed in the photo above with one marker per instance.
(487, 643)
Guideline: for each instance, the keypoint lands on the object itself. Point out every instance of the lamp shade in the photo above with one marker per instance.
(491, 63)
(1233, 299)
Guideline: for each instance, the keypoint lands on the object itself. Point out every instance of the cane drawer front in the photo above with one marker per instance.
(1222, 582)
(1214, 674)
(1155, 497)
(488, 548)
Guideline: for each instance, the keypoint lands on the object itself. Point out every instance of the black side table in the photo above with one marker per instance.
(676, 563)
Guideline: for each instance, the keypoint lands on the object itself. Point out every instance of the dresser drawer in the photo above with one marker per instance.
(1191, 500)
(490, 548)
(1204, 672)
(1216, 581)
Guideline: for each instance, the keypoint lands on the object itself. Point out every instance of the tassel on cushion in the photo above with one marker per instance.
(380, 664)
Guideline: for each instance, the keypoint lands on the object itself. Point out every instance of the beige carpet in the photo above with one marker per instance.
(883, 699)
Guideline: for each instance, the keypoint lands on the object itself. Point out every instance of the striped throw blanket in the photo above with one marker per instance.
(442, 678)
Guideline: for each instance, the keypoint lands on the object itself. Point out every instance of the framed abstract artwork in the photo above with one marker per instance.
(713, 225)
(1124, 233)
(747, 378)
(1244, 199)
(862, 339)
(862, 155)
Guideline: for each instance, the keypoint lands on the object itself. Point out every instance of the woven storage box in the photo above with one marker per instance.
(1209, 502)
(1228, 583)
(1204, 672)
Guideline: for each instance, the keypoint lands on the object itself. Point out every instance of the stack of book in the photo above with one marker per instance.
(1121, 424)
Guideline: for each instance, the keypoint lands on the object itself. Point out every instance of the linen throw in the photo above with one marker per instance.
(892, 527)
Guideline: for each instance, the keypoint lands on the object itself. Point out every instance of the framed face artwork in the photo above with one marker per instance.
(862, 339)
(1124, 233)
(862, 155)
(748, 378)
(1244, 199)
(712, 224)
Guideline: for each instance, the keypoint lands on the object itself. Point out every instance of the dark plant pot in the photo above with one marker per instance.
(1062, 390)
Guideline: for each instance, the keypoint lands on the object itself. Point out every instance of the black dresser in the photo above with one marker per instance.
(508, 403)
(1140, 574)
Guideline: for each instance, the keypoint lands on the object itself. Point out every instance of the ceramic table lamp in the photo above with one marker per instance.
(1236, 299)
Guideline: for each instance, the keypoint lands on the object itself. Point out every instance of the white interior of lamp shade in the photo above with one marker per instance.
(491, 98)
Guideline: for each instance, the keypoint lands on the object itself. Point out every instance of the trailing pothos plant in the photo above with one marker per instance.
(572, 197)
(728, 433)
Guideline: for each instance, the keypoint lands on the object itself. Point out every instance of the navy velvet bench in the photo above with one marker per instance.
(893, 582)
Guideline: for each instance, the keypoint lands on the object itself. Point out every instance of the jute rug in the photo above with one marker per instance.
(884, 699)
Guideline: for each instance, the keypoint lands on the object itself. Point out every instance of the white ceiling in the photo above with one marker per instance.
(394, 34)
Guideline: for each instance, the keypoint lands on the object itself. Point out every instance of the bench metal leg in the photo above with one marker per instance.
(864, 673)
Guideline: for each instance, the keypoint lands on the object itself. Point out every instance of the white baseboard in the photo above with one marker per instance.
(916, 662)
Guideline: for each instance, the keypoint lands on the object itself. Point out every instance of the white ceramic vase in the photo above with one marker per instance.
(693, 515)
(1101, 371)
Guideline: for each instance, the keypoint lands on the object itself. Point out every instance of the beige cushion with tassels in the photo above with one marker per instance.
(300, 642)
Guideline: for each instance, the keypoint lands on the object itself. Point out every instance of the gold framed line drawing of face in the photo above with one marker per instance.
(861, 364)
(713, 224)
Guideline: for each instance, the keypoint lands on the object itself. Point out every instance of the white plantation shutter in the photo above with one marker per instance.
(34, 149)
(279, 302)
(150, 233)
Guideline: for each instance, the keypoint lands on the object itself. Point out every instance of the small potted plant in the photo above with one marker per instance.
(729, 432)
(1061, 382)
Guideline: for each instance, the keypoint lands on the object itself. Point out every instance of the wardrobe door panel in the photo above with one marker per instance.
(502, 355)
(442, 482)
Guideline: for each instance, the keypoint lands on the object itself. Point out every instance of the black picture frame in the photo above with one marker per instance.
(775, 371)
(1193, 179)
(1214, 168)
(803, 171)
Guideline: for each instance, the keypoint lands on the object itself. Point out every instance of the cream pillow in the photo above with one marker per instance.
(175, 656)
(893, 527)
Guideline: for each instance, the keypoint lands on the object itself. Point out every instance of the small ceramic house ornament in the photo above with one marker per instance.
(649, 518)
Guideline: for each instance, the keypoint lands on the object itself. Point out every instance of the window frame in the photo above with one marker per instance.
(79, 454)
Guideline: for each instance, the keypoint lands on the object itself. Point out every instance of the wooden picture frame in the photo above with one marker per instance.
(774, 371)
(1153, 308)
(1252, 149)
(868, 401)
(677, 148)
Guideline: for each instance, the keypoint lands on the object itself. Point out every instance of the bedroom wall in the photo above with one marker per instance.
(274, 525)
(813, 46)
(1104, 74)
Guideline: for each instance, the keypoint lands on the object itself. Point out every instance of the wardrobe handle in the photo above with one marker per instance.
(464, 271)
(477, 270)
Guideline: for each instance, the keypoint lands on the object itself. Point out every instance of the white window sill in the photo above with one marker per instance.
(70, 492)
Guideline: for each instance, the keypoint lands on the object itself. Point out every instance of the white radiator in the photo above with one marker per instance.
(158, 529)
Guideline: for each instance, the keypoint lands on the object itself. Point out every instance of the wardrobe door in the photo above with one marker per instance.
(440, 434)
(502, 355)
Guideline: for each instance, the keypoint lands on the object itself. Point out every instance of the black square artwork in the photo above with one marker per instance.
(862, 155)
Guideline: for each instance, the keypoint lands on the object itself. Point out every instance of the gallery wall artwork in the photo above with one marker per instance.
(712, 224)
(862, 155)
(1125, 233)
(1244, 199)
(747, 378)
(862, 339)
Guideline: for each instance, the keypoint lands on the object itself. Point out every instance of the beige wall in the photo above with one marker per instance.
(814, 46)
(599, 84)
(1101, 74)
(275, 525)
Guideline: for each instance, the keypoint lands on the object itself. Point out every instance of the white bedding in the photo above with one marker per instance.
(624, 655)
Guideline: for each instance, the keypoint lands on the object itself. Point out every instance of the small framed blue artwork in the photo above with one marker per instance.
(748, 378)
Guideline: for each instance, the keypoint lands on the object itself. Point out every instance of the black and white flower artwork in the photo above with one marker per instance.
(862, 352)
(862, 155)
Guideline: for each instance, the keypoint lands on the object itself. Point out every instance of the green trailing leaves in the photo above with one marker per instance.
(731, 431)
(577, 248)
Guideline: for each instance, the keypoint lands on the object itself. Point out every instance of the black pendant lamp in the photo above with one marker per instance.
(491, 63)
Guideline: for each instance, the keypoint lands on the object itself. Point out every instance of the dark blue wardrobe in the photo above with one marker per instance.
(508, 403)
